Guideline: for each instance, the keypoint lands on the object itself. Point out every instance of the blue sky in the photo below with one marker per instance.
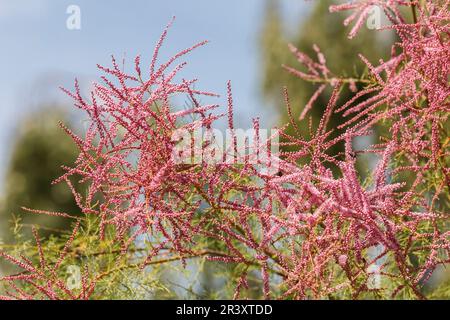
(38, 53)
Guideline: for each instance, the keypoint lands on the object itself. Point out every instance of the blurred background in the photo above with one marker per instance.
(46, 44)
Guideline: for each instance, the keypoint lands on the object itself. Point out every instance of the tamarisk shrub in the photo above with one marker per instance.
(307, 232)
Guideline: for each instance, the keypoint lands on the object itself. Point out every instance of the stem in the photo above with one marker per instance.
(201, 253)
(413, 9)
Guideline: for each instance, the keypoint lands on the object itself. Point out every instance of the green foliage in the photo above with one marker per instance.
(121, 273)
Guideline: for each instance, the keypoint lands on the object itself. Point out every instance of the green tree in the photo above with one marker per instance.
(326, 31)
(40, 149)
